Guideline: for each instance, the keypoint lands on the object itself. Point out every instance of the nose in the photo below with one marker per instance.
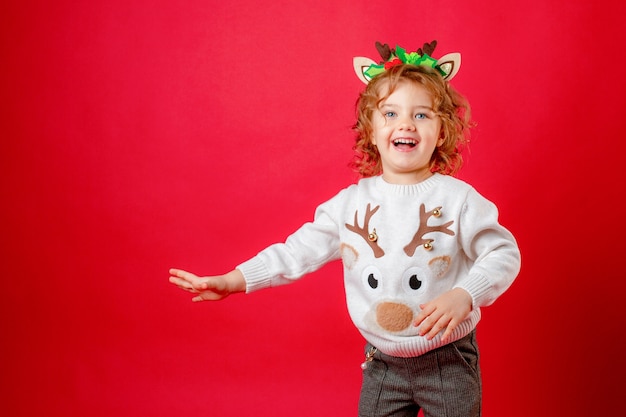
(393, 317)
(406, 123)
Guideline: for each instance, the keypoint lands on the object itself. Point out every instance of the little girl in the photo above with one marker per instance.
(422, 251)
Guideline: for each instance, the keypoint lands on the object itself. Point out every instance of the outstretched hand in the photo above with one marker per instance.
(443, 313)
(208, 288)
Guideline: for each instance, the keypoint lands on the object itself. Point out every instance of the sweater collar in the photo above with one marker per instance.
(410, 189)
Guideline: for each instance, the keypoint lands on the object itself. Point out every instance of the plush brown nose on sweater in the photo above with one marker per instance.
(393, 317)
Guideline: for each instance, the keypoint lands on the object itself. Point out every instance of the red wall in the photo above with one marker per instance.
(138, 136)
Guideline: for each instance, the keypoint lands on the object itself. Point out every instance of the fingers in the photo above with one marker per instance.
(444, 313)
(204, 288)
(188, 280)
(182, 284)
(432, 325)
(425, 312)
(449, 329)
(179, 273)
(183, 279)
(431, 322)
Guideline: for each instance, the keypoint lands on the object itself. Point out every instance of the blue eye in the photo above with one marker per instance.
(390, 114)
(421, 116)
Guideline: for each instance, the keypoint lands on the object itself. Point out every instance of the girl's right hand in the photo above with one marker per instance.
(208, 288)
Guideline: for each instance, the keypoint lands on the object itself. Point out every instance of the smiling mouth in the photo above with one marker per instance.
(404, 143)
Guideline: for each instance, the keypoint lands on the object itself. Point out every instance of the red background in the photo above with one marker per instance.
(139, 136)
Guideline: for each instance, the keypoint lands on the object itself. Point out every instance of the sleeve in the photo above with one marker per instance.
(306, 250)
(492, 249)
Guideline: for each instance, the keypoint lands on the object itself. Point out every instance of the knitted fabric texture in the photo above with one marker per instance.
(401, 246)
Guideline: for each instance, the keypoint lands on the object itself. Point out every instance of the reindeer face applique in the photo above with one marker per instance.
(395, 283)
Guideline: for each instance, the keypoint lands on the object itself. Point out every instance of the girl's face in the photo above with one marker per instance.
(406, 132)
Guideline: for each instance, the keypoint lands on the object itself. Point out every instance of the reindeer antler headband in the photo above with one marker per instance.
(366, 68)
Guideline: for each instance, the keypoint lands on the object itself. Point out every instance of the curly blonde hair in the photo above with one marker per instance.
(451, 107)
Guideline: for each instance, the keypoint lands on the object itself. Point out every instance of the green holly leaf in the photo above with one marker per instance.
(401, 53)
(374, 70)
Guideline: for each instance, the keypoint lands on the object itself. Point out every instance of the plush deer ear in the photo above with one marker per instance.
(450, 65)
(361, 64)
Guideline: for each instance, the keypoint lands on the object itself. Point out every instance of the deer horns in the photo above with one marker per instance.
(370, 238)
(418, 239)
(424, 228)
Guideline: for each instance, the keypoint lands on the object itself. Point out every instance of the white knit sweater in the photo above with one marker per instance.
(374, 227)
